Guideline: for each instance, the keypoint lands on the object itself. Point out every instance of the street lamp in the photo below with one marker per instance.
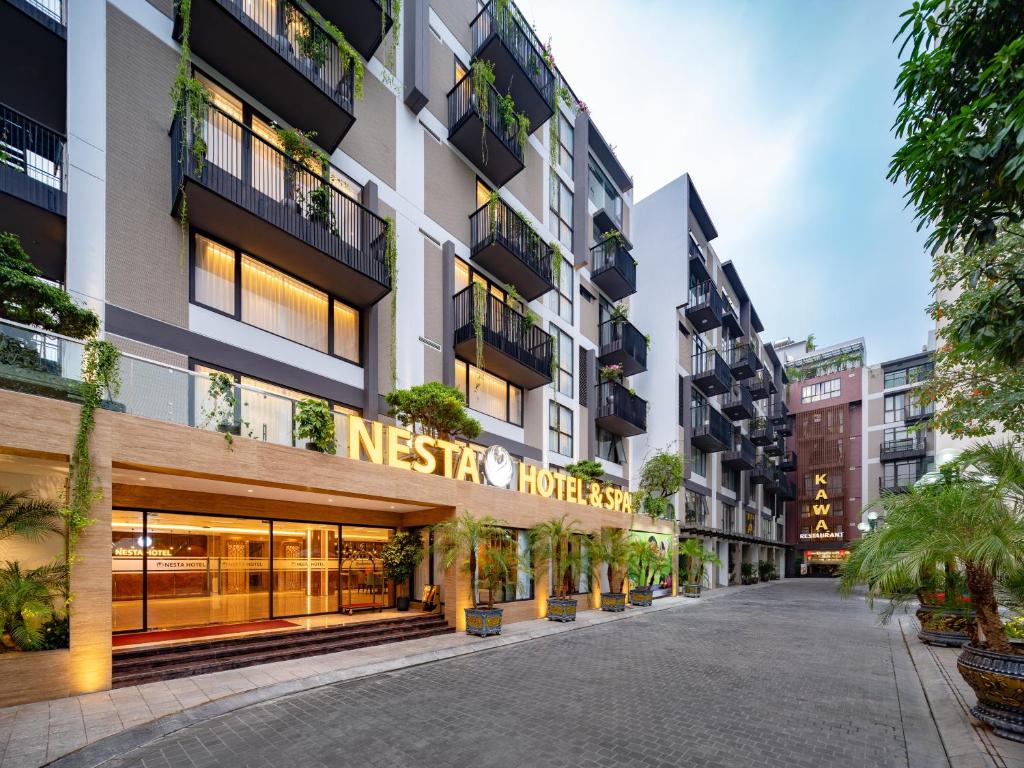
(863, 527)
(872, 516)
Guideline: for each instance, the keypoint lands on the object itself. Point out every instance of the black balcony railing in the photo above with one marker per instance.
(364, 23)
(785, 427)
(778, 412)
(711, 374)
(296, 197)
(762, 432)
(763, 473)
(741, 456)
(622, 344)
(619, 410)
(905, 448)
(776, 447)
(737, 403)
(704, 308)
(518, 247)
(912, 414)
(897, 484)
(743, 360)
(612, 268)
(28, 148)
(711, 430)
(524, 350)
(782, 487)
(788, 462)
(503, 20)
(500, 159)
(761, 385)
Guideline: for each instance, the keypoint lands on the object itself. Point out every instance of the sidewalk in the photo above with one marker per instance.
(967, 742)
(90, 729)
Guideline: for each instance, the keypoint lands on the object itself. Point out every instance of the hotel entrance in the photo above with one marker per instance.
(175, 571)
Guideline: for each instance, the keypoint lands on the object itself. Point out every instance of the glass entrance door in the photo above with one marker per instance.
(305, 568)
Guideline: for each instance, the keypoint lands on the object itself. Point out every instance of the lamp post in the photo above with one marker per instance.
(871, 525)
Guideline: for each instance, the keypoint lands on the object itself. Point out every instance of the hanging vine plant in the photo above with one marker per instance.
(556, 264)
(492, 210)
(479, 317)
(350, 58)
(100, 377)
(391, 260)
(515, 122)
(391, 54)
(481, 81)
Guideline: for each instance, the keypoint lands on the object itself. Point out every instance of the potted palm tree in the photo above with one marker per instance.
(610, 547)
(646, 564)
(971, 514)
(400, 556)
(748, 573)
(474, 541)
(558, 543)
(696, 557)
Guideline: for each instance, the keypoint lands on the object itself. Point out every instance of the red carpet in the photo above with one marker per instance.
(194, 632)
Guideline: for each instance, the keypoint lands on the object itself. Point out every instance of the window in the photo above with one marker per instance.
(519, 584)
(565, 143)
(610, 447)
(483, 194)
(699, 462)
(560, 300)
(249, 290)
(823, 390)
(561, 211)
(696, 508)
(698, 408)
(911, 375)
(565, 360)
(894, 407)
(559, 429)
(731, 480)
(728, 518)
(901, 474)
(488, 394)
(603, 193)
(900, 435)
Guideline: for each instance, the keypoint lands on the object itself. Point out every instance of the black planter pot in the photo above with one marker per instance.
(483, 621)
(561, 610)
(401, 603)
(998, 682)
(613, 602)
(691, 590)
(941, 625)
(641, 596)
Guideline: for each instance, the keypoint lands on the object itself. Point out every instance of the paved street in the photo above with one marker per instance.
(783, 675)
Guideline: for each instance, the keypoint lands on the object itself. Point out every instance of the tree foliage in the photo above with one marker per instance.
(660, 479)
(979, 361)
(433, 408)
(961, 117)
(587, 470)
(26, 298)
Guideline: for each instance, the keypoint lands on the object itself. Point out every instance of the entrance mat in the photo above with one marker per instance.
(194, 632)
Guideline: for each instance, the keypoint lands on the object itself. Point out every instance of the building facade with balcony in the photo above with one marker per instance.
(709, 382)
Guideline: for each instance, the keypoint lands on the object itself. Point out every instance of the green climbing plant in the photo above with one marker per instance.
(350, 58)
(391, 54)
(515, 122)
(481, 81)
(556, 264)
(479, 316)
(391, 261)
(101, 380)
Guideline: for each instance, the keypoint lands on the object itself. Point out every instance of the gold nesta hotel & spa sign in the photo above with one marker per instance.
(399, 448)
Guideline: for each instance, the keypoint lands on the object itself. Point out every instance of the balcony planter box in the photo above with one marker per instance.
(942, 625)
(691, 590)
(998, 681)
(483, 621)
(641, 596)
(230, 428)
(613, 602)
(116, 407)
(561, 610)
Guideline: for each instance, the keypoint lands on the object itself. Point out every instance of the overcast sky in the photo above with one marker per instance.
(781, 112)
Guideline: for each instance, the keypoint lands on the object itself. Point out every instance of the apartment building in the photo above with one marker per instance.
(242, 268)
(715, 389)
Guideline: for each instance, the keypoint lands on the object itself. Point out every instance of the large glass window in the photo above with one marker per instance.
(559, 429)
(519, 584)
(699, 462)
(901, 474)
(911, 375)
(603, 193)
(305, 568)
(561, 211)
(565, 360)
(823, 390)
(565, 143)
(272, 300)
(696, 508)
(489, 394)
(894, 407)
(128, 541)
(610, 447)
(560, 300)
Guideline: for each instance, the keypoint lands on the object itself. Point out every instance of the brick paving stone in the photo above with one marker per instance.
(785, 675)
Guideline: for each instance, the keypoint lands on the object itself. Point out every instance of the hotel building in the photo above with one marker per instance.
(239, 274)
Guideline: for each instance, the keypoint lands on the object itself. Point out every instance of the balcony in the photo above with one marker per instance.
(622, 344)
(248, 192)
(785, 428)
(778, 412)
(737, 403)
(742, 456)
(906, 448)
(711, 373)
(282, 57)
(915, 414)
(33, 190)
(483, 137)
(365, 23)
(743, 360)
(507, 247)
(761, 385)
(762, 433)
(620, 411)
(502, 37)
(775, 448)
(899, 484)
(763, 473)
(33, 37)
(712, 432)
(705, 307)
(782, 487)
(612, 268)
(731, 317)
(788, 462)
(697, 262)
(513, 349)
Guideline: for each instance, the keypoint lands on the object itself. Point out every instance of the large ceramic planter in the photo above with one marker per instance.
(614, 602)
(561, 610)
(642, 596)
(941, 625)
(998, 681)
(483, 621)
(691, 590)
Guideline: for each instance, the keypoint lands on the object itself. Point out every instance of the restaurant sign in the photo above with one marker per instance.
(399, 448)
(820, 509)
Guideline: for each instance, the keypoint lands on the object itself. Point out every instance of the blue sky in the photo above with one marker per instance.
(781, 111)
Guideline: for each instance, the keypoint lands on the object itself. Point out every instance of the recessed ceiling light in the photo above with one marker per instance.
(331, 500)
(142, 478)
(392, 506)
(250, 490)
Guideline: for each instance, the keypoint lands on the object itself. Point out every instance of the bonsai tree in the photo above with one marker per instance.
(32, 519)
(315, 422)
(587, 470)
(26, 298)
(468, 537)
(557, 542)
(26, 599)
(400, 557)
(696, 557)
(661, 477)
(611, 547)
(433, 409)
